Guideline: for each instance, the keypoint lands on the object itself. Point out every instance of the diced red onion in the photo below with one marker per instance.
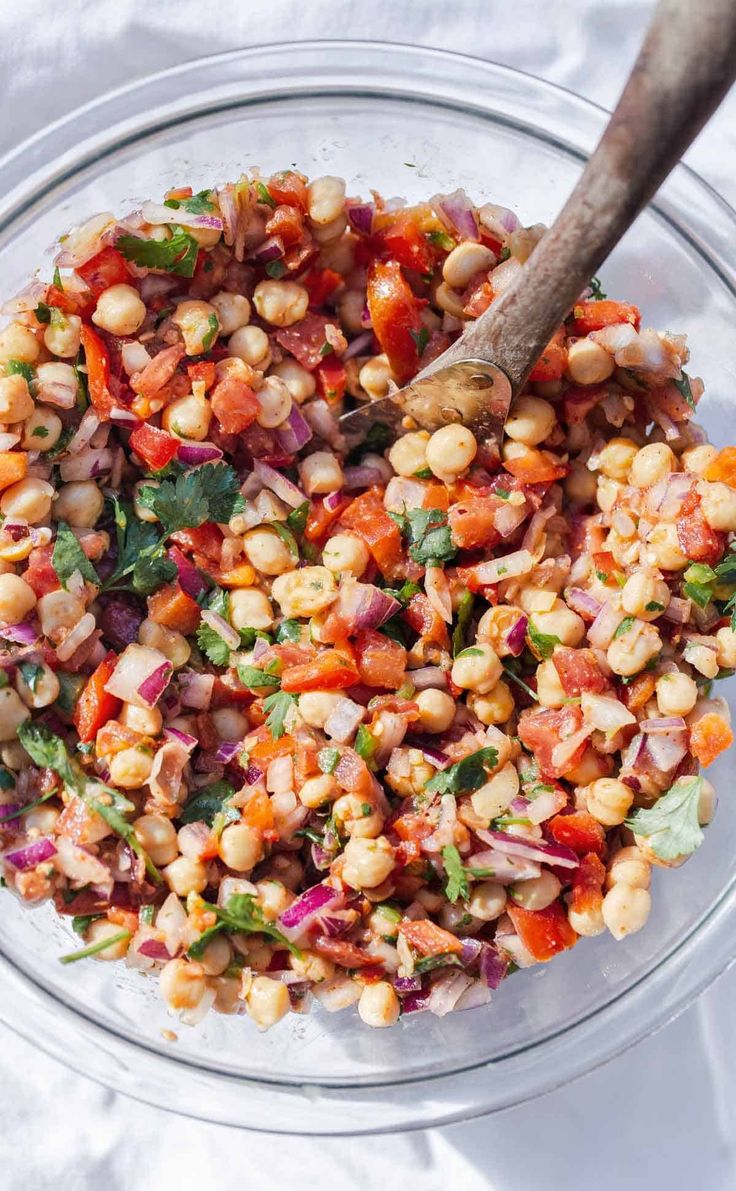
(677, 611)
(271, 249)
(219, 625)
(362, 477)
(324, 423)
(632, 754)
(87, 464)
(82, 631)
(437, 588)
(492, 966)
(406, 984)
(459, 213)
(120, 623)
(195, 689)
(666, 749)
(190, 579)
(362, 344)
(86, 428)
(342, 722)
(25, 633)
(544, 806)
(360, 217)
(31, 855)
(194, 453)
(154, 949)
(600, 633)
(672, 723)
(507, 518)
(475, 995)
(427, 676)
(415, 1002)
(189, 742)
(8, 441)
(516, 636)
(294, 433)
(278, 484)
(471, 949)
(157, 214)
(605, 713)
(447, 991)
(403, 493)
(583, 603)
(530, 849)
(227, 750)
(153, 687)
(124, 417)
(297, 918)
(253, 774)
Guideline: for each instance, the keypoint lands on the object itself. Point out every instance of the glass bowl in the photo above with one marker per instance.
(410, 122)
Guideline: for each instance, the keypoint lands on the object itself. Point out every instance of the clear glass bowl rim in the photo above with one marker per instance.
(367, 68)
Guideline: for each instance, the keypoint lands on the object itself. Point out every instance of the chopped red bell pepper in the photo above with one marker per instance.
(108, 267)
(95, 705)
(544, 933)
(155, 447)
(396, 317)
(98, 371)
(329, 671)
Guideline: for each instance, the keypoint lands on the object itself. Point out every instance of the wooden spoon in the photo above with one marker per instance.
(685, 67)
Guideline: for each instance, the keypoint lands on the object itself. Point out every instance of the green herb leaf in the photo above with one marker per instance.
(403, 594)
(421, 339)
(275, 269)
(442, 240)
(672, 825)
(627, 623)
(289, 630)
(212, 645)
(653, 606)
(80, 922)
(19, 368)
(255, 679)
(456, 885)
(32, 674)
(241, 915)
(43, 313)
(596, 292)
(683, 387)
(213, 326)
(278, 705)
(94, 948)
(327, 759)
(542, 644)
(464, 615)
(68, 557)
(208, 802)
(177, 255)
(208, 493)
(726, 569)
(504, 254)
(510, 673)
(297, 518)
(286, 536)
(468, 774)
(429, 962)
(263, 194)
(428, 534)
(700, 582)
(198, 204)
(365, 744)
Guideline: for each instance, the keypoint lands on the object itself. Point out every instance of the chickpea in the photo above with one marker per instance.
(645, 595)
(17, 598)
(328, 233)
(267, 1001)
(609, 801)
(367, 862)
(29, 499)
(698, 459)
(345, 554)
(588, 922)
(62, 335)
(230, 724)
(718, 505)
(198, 323)
(550, 691)
(312, 967)
(494, 624)
(580, 485)
(449, 300)
(141, 512)
(664, 548)
(169, 642)
(450, 451)
(588, 363)
(436, 710)
(321, 472)
(408, 455)
(306, 592)
(318, 790)
(325, 199)
(217, 956)
(42, 819)
(495, 795)
(267, 552)
(16, 403)
(274, 399)
(182, 984)
(375, 376)
(487, 901)
(315, 707)
(273, 898)
(100, 930)
(495, 707)
(537, 893)
(12, 713)
(530, 420)
(250, 608)
(379, 1005)
(281, 303)
(616, 458)
(188, 417)
(629, 653)
(241, 847)
(300, 383)
(652, 463)
(464, 261)
(702, 659)
(726, 652)
(356, 817)
(477, 668)
(130, 768)
(147, 720)
(18, 343)
(677, 693)
(625, 910)
(561, 622)
(58, 612)
(350, 306)
(45, 688)
(119, 310)
(157, 835)
(232, 310)
(80, 503)
(185, 876)
(251, 345)
(607, 493)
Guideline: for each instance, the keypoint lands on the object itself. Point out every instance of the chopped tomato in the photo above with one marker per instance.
(426, 621)
(396, 317)
(179, 192)
(403, 242)
(234, 404)
(203, 372)
(78, 303)
(352, 774)
(435, 496)
(171, 606)
(331, 379)
(542, 729)
(98, 371)
(367, 517)
(267, 750)
(287, 223)
(329, 671)
(709, 737)
(579, 400)
(343, 953)
(258, 812)
(13, 467)
(605, 565)
(594, 316)
(536, 467)
(289, 188)
(639, 691)
(305, 760)
(40, 574)
(697, 540)
(150, 380)
(113, 737)
(427, 938)
(722, 469)
(412, 827)
(553, 360)
(544, 933)
(479, 300)
(381, 661)
(155, 447)
(579, 831)
(95, 706)
(320, 517)
(108, 267)
(203, 539)
(587, 885)
(306, 340)
(473, 524)
(321, 285)
(578, 671)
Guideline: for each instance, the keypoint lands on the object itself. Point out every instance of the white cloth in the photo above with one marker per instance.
(661, 1116)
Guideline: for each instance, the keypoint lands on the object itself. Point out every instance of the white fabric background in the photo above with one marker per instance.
(660, 1116)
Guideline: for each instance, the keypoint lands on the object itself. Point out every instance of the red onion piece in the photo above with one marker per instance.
(189, 742)
(530, 849)
(459, 213)
(153, 687)
(219, 625)
(362, 344)
(120, 623)
(447, 991)
(31, 855)
(666, 749)
(294, 433)
(492, 966)
(253, 774)
(427, 676)
(157, 213)
(470, 950)
(124, 417)
(195, 690)
(154, 949)
(415, 1002)
(190, 579)
(278, 484)
(600, 633)
(362, 477)
(324, 423)
(87, 464)
(516, 636)
(672, 723)
(360, 217)
(227, 750)
(435, 756)
(511, 566)
(271, 249)
(583, 603)
(678, 611)
(508, 518)
(306, 909)
(25, 633)
(86, 428)
(406, 984)
(194, 453)
(343, 721)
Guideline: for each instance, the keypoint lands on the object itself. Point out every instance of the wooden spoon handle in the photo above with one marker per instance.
(685, 67)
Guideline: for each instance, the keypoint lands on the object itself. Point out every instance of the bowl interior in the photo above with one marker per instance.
(408, 141)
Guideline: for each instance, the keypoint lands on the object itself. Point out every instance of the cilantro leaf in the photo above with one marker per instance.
(81, 922)
(43, 313)
(456, 885)
(596, 292)
(263, 194)
(726, 569)
(421, 339)
(626, 624)
(289, 630)
(278, 705)
(68, 557)
(208, 802)
(286, 536)
(275, 269)
(683, 386)
(212, 645)
(241, 915)
(198, 204)
(405, 593)
(442, 240)
(177, 255)
(464, 616)
(151, 573)
(542, 644)
(297, 518)
(468, 774)
(19, 368)
(365, 744)
(254, 678)
(32, 674)
(700, 581)
(671, 825)
(428, 534)
(376, 440)
(209, 493)
(213, 326)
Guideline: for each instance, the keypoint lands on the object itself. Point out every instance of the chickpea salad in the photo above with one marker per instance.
(284, 719)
